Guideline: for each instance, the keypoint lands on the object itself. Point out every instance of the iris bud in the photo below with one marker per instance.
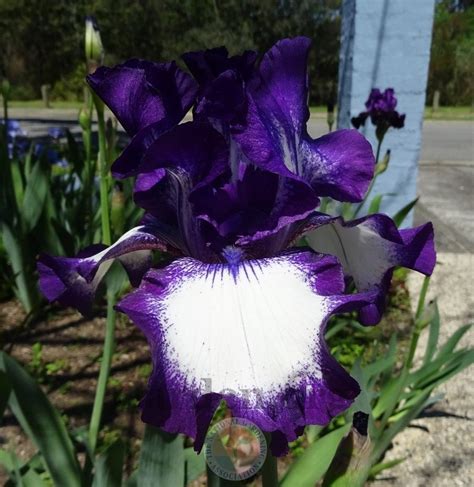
(117, 211)
(5, 89)
(383, 164)
(93, 45)
(84, 119)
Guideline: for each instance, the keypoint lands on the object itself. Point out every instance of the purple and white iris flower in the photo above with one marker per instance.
(240, 314)
(380, 107)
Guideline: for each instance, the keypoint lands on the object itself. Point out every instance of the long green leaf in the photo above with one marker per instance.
(109, 466)
(22, 474)
(432, 336)
(35, 195)
(161, 461)
(400, 216)
(42, 423)
(453, 340)
(386, 438)
(23, 287)
(313, 463)
(195, 465)
(5, 389)
(375, 204)
(380, 467)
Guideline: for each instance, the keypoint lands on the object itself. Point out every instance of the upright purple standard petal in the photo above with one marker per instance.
(274, 135)
(180, 163)
(221, 78)
(258, 205)
(249, 332)
(147, 98)
(74, 281)
(369, 248)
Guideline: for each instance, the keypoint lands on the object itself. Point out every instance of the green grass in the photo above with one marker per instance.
(450, 113)
(39, 104)
(443, 113)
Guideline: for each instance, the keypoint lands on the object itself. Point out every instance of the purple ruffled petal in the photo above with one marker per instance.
(142, 92)
(274, 134)
(73, 281)
(178, 165)
(370, 248)
(147, 98)
(259, 205)
(207, 65)
(220, 331)
(221, 78)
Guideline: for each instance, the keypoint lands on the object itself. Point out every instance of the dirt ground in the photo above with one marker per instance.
(63, 353)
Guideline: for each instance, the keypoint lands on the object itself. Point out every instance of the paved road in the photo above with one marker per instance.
(445, 180)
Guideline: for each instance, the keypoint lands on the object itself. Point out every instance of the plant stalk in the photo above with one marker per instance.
(104, 170)
(109, 341)
(372, 183)
(269, 468)
(105, 365)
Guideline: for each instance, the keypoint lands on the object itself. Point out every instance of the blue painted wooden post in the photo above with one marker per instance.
(386, 43)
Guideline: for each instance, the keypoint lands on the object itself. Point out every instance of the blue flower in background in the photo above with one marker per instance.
(56, 132)
(15, 141)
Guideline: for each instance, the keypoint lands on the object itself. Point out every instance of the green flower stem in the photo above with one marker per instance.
(372, 183)
(109, 342)
(7, 194)
(104, 172)
(105, 365)
(89, 167)
(269, 468)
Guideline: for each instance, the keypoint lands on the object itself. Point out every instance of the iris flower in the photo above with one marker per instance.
(240, 313)
(380, 107)
(15, 137)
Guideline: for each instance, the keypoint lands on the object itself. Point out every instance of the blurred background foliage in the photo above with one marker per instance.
(42, 39)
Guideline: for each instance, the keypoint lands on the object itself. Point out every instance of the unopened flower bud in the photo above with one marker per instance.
(5, 89)
(84, 118)
(383, 164)
(117, 211)
(93, 45)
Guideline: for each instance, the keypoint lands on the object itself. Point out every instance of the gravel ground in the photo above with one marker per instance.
(439, 449)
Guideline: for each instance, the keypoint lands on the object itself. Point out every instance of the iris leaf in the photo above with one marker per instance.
(161, 461)
(433, 335)
(195, 465)
(400, 216)
(380, 467)
(109, 465)
(375, 204)
(453, 340)
(42, 423)
(313, 463)
(35, 195)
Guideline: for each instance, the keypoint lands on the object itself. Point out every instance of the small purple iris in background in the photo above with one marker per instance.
(15, 134)
(240, 314)
(56, 132)
(381, 110)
